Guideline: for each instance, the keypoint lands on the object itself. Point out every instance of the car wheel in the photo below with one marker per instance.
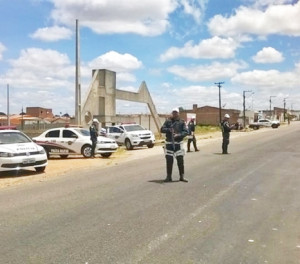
(40, 169)
(63, 156)
(274, 126)
(255, 127)
(128, 144)
(106, 155)
(86, 151)
(150, 145)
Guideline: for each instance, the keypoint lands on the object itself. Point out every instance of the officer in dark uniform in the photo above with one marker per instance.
(191, 137)
(94, 135)
(226, 128)
(175, 130)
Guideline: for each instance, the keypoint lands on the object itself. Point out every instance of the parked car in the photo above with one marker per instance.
(18, 151)
(73, 141)
(265, 123)
(131, 135)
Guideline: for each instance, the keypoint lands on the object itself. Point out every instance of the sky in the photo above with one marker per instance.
(180, 48)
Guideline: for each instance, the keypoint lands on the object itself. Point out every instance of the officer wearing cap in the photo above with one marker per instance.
(191, 137)
(175, 130)
(94, 135)
(226, 128)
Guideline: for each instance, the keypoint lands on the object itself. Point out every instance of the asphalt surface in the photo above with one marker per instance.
(238, 208)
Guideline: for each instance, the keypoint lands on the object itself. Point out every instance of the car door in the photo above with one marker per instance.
(114, 133)
(69, 142)
(52, 142)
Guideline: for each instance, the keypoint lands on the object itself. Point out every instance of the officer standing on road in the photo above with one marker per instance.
(94, 135)
(175, 130)
(191, 137)
(226, 128)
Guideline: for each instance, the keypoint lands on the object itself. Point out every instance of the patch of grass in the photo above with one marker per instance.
(204, 129)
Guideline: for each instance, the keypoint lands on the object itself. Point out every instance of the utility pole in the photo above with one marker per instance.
(284, 111)
(220, 108)
(271, 105)
(8, 118)
(77, 77)
(244, 107)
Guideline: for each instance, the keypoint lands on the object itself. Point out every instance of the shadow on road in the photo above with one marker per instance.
(162, 181)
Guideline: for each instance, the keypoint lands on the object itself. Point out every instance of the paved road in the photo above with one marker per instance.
(238, 208)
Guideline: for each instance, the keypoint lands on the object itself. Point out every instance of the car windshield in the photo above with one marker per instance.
(13, 137)
(83, 132)
(133, 128)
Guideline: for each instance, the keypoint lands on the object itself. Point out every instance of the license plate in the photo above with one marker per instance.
(28, 161)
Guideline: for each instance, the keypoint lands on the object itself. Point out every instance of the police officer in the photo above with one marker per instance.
(94, 135)
(226, 128)
(175, 130)
(191, 137)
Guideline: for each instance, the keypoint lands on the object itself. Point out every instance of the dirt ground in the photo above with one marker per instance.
(58, 167)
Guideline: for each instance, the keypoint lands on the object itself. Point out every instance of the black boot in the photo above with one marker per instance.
(181, 168)
(183, 179)
(195, 146)
(169, 160)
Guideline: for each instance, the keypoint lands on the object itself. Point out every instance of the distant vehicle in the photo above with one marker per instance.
(131, 135)
(74, 141)
(18, 151)
(265, 123)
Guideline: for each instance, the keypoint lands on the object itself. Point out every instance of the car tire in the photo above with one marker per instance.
(40, 169)
(86, 151)
(128, 144)
(150, 145)
(105, 155)
(274, 126)
(255, 127)
(63, 156)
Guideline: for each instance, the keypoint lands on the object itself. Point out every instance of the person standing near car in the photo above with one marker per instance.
(175, 130)
(94, 135)
(191, 136)
(226, 128)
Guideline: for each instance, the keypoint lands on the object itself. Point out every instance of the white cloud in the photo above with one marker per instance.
(202, 73)
(212, 48)
(147, 17)
(38, 70)
(265, 3)
(2, 49)
(52, 34)
(270, 80)
(194, 8)
(276, 19)
(268, 55)
(115, 61)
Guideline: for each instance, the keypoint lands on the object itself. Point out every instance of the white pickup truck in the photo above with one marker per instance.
(131, 135)
(265, 123)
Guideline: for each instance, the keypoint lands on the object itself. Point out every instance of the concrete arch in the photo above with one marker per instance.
(101, 98)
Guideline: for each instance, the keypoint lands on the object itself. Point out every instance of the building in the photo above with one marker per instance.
(209, 115)
(39, 112)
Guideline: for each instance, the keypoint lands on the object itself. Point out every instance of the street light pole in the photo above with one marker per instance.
(284, 104)
(8, 118)
(220, 109)
(244, 107)
(77, 77)
(271, 105)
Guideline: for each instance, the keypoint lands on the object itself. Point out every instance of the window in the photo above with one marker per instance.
(53, 134)
(114, 130)
(69, 134)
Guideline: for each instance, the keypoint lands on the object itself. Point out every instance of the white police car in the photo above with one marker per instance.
(131, 135)
(65, 141)
(18, 151)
